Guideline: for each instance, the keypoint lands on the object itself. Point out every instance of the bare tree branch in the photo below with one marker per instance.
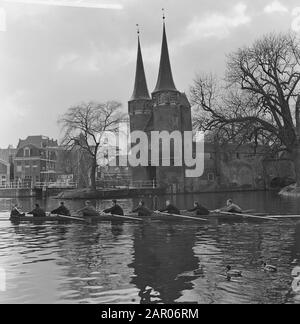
(257, 100)
(83, 126)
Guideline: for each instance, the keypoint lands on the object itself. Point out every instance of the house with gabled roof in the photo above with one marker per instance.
(36, 160)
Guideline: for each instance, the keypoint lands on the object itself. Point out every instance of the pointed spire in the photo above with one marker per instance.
(140, 86)
(165, 80)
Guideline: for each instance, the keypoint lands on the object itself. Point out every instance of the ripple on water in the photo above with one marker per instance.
(152, 262)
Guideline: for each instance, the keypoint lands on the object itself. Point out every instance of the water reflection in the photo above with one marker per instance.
(160, 256)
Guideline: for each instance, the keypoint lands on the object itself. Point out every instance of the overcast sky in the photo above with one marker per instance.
(53, 56)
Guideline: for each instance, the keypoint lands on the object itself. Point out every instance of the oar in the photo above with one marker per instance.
(124, 217)
(247, 211)
(246, 215)
(66, 217)
(49, 215)
(72, 218)
(284, 216)
(181, 216)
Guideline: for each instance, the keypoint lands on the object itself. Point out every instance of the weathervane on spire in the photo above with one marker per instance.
(163, 11)
(138, 29)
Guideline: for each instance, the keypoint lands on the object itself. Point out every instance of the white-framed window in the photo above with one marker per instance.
(27, 152)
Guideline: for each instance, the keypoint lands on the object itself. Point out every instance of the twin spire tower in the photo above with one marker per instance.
(166, 109)
(165, 80)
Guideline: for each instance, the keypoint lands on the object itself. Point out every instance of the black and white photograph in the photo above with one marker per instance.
(149, 155)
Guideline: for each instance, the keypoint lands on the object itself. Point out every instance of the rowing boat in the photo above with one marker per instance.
(103, 218)
(61, 218)
(155, 216)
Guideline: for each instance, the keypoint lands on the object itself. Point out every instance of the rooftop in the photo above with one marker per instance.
(38, 141)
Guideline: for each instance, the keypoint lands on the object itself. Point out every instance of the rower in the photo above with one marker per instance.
(89, 210)
(61, 210)
(170, 209)
(142, 210)
(115, 209)
(37, 211)
(199, 209)
(15, 212)
(232, 208)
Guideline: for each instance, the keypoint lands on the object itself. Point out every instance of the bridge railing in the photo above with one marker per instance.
(15, 185)
(55, 185)
(126, 184)
(143, 184)
(38, 185)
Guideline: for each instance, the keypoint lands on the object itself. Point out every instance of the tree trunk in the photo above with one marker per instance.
(296, 161)
(218, 168)
(93, 175)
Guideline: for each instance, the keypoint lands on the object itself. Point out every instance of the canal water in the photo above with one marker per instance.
(120, 262)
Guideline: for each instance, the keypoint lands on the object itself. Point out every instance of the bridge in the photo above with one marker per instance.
(125, 184)
(37, 185)
(29, 189)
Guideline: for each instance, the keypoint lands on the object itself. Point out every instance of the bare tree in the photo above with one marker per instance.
(259, 99)
(83, 126)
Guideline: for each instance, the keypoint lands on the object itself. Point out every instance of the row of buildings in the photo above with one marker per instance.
(40, 160)
(36, 160)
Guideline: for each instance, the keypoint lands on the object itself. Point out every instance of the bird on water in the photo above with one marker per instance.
(233, 273)
(268, 267)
